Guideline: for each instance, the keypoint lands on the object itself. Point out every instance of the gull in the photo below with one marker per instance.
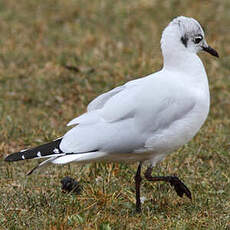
(145, 119)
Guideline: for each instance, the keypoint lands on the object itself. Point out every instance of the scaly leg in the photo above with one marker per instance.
(138, 180)
(174, 181)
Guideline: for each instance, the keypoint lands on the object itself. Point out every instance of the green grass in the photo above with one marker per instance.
(109, 42)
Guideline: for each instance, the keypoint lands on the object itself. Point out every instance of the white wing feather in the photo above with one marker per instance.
(111, 98)
(99, 101)
(139, 115)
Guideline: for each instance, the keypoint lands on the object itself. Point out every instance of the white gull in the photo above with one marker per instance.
(145, 119)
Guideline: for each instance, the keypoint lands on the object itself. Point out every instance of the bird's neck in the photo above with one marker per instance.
(181, 61)
(190, 67)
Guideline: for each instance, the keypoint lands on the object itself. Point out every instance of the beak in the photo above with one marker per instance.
(210, 50)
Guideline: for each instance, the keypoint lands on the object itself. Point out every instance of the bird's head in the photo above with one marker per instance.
(185, 34)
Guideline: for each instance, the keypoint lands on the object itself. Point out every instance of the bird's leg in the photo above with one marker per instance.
(174, 181)
(138, 180)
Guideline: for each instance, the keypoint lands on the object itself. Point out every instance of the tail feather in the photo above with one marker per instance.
(41, 165)
(47, 150)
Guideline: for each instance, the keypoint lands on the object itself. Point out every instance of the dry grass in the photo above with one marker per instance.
(108, 43)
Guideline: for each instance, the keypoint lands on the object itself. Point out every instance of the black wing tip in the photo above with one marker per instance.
(39, 151)
(13, 157)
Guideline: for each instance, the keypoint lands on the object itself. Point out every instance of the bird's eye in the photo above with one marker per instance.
(198, 39)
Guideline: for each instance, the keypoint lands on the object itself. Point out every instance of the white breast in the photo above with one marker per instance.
(180, 131)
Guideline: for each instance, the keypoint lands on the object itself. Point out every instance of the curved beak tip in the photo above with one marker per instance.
(210, 50)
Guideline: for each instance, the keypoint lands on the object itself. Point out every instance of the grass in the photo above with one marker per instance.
(107, 43)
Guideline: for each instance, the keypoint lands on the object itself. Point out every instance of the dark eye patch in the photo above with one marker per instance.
(198, 39)
(184, 40)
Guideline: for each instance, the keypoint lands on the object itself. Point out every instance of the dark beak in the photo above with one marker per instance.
(211, 51)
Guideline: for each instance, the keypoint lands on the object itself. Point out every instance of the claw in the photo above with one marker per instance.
(180, 187)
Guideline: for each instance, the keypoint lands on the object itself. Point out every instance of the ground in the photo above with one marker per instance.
(55, 57)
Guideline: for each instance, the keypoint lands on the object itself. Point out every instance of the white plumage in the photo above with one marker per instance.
(147, 118)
